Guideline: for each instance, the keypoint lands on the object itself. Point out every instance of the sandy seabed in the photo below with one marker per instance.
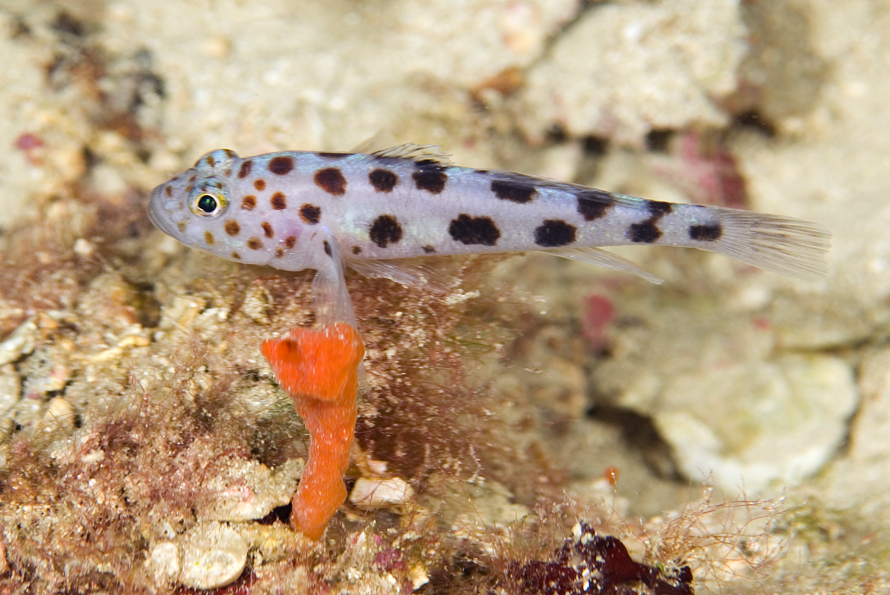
(729, 419)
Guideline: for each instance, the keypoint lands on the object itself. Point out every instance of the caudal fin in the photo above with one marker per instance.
(780, 244)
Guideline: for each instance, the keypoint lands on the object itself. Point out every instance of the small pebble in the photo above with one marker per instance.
(164, 562)
(21, 342)
(214, 555)
(59, 415)
(379, 493)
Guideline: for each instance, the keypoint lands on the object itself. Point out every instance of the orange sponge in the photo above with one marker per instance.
(319, 369)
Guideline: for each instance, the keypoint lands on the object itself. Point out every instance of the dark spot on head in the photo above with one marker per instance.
(474, 230)
(278, 201)
(327, 249)
(254, 243)
(659, 209)
(232, 228)
(431, 180)
(554, 232)
(189, 188)
(259, 184)
(208, 237)
(267, 229)
(281, 165)
(706, 233)
(518, 192)
(236, 256)
(248, 202)
(289, 241)
(331, 180)
(279, 252)
(310, 214)
(593, 204)
(210, 160)
(193, 178)
(383, 180)
(356, 250)
(385, 231)
(228, 173)
(428, 249)
(181, 225)
(646, 232)
(333, 155)
(168, 191)
(229, 153)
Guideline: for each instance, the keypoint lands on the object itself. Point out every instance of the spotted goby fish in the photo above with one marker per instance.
(300, 210)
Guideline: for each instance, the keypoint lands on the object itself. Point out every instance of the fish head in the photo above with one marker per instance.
(203, 208)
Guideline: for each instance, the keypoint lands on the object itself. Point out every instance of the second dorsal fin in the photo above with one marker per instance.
(416, 153)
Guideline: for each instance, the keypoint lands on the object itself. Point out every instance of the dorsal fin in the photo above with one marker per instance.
(417, 153)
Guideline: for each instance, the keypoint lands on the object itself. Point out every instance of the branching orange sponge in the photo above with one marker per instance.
(319, 370)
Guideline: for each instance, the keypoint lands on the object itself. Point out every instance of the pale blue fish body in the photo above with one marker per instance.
(300, 210)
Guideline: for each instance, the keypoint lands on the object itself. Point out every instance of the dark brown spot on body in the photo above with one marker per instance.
(232, 227)
(279, 252)
(383, 180)
(646, 232)
(428, 249)
(356, 250)
(310, 214)
(208, 237)
(236, 256)
(385, 231)
(327, 249)
(290, 241)
(281, 165)
(555, 232)
(333, 155)
(518, 192)
(659, 209)
(278, 201)
(259, 184)
(706, 233)
(267, 229)
(593, 204)
(331, 180)
(245, 168)
(248, 202)
(168, 191)
(431, 180)
(474, 230)
(254, 243)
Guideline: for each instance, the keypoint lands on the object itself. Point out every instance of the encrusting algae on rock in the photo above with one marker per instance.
(319, 370)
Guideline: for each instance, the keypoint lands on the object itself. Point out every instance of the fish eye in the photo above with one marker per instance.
(209, 198)
(207, 204)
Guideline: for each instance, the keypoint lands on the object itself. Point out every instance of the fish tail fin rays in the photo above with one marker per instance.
(774, 243)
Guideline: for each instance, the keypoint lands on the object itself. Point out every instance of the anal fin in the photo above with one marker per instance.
(604, 258)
